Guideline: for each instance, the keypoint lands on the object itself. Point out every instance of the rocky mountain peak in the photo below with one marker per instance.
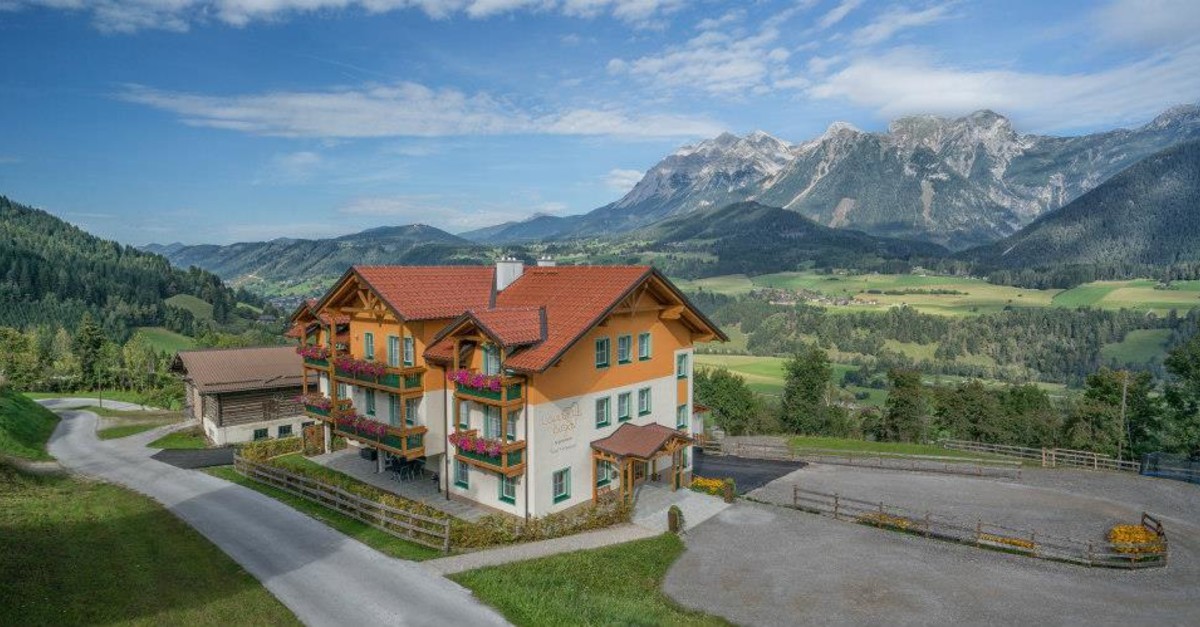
(1177, 116)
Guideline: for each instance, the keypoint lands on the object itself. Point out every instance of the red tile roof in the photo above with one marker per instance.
(431, 292)
(513, 326)
(641, 441)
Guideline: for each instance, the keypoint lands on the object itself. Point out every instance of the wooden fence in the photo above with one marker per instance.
(424, 530)
(1048, 457)
(873, 459)
(985, 534)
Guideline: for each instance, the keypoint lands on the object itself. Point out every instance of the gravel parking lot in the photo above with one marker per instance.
(764, 565)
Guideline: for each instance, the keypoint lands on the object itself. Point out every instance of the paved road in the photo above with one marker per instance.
(75, 402)
(196, 458)
(748, 474)
(324, 577)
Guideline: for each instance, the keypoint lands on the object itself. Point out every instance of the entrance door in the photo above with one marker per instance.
(639, 472)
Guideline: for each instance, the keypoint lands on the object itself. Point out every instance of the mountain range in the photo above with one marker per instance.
(1148, 214)
(959, 182)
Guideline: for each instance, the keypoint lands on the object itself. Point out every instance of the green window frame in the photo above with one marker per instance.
(604, 474)
(681, 417)
(491, 422)
(410, 353)
(462, 474)
(464, 415)
(624, 406)
(681, 366)
(261, 434)
(284, 431)
(369, 346)
(508, 490)
(624, 349)
(491, 359)
(602, 352)
(644, 402)
(393, 410)
(412, 410)
(370, 396)
(685, 456)
(393, 351)
(510, 429)
(644, 346)
(560, 485)
(603, 412)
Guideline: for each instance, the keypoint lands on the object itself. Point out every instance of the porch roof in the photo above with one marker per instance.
(640, 441)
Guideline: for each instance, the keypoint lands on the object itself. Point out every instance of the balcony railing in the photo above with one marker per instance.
(406, 441)
(509, 461)
(407, 379)
(318, 363)
(510, 389)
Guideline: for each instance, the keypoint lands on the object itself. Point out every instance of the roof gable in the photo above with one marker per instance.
(237, 369)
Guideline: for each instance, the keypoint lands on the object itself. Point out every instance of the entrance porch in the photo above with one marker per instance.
(631, 456)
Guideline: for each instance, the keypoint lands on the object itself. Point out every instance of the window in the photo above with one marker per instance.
(604, 474)
(369, 346)
(491, 360)
(624, 349)
(491, 422)
(393, 410)
(412, 411)
(343, 390)
(393, 351)
(562, 485)
(643, 346)
(306, 424)
(508, 489)
(370, 394)
(603, 415)
(462, 474)
(410, 352)
(602, 352)
(464, 415)
(681, 417)
(285, 431)
(684, 455)
(681, 365)
(624, 406)
(513, 416)
(260, 434)
(643, 401)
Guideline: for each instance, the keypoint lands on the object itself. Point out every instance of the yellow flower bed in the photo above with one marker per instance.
(1135, 540)
(1007, 541)
(715, 487)
(881, 519)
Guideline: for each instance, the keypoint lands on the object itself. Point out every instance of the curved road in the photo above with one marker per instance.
(324, 577)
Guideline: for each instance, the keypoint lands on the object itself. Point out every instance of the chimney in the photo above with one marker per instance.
(508, 269)
(546, 261)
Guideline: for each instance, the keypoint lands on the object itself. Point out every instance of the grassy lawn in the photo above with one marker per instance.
(368, 535)
(124, 431)
(85, 553)
(1138, 347)
(124, 423)
(165, 340)
(765, 375)
(616, 585)
(109, 395)
(25, 426)
(197, 306)
(192, 438)
(900, 448)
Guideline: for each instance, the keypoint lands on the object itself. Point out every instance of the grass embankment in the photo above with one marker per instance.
(109, 395)
(200, 308)
(616, 585)
(124, 423)
(368, 535)
(192, 438)
(25, 426)
(83, 553)
(896, 448)
(166, 340)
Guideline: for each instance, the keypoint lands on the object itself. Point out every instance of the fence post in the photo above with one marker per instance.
(836, 505)
(1043, 457)
(446, 536)
(926, 523)
(795, 495)
(978, 530)
(1089, 553)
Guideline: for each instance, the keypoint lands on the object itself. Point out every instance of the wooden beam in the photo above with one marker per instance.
(674, 312)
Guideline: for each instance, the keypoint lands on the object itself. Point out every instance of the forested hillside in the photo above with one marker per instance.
(1148, 214)
(52, 273)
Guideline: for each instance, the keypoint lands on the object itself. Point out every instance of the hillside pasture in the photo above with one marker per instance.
(199, 308)
(1138, 347)
(164, 340)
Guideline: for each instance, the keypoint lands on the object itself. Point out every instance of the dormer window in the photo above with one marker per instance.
(491, 360)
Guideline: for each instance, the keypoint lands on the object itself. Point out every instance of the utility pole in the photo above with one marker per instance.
(1124, 424)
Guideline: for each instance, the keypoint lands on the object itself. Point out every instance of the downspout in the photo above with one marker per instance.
(528, 454)
(447, 398)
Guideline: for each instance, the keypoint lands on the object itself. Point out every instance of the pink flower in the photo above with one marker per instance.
(494, 384)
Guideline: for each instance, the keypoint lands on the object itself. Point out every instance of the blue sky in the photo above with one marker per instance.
(232, 120)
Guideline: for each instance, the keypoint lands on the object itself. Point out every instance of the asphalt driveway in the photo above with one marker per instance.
(748, 474)
(324, 577)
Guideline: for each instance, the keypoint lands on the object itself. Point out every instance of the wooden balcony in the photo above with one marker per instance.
(511, 392)
(396, 380)
(342, 406)
(408, 442)
(510, 462)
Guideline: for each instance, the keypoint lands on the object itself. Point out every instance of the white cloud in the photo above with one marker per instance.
(127, 16)
(400, 110)
(621, 181)
(292, 167)
(890, 22)
(1154, 23)
(906, 82)
(838, 13)
(716, 62)
(727, 19)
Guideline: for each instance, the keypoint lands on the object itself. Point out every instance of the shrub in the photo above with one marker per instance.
(1019, 543)
(266, 449)
(1135, 540)
(880, 519)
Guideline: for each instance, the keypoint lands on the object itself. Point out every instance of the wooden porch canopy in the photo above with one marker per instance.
(632, 443)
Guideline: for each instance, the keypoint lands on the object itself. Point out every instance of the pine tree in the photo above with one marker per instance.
(88, 348)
